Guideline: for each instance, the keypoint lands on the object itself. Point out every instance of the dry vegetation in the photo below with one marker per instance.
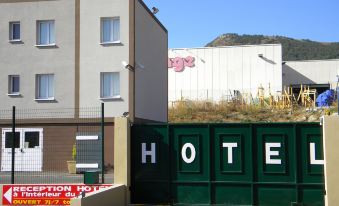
(195, 111)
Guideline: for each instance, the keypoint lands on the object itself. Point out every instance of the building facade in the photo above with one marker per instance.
(69, 54)
(318, 74)
(62, 54)
(219, 73)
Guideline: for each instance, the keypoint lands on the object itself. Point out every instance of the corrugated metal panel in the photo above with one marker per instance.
(311, 72)
(217, 72)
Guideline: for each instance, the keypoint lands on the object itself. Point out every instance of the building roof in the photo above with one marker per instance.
(255, 45)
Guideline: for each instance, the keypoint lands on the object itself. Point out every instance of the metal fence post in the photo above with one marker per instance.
(13, 145)
(103, 142)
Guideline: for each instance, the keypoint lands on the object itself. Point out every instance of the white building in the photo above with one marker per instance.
(217, 73)
(63, 54)
(69, 54)
(318, 74)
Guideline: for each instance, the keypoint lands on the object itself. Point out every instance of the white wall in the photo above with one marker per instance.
(27, 60)
(310, 72)
(151, 77)
(219, 71)
(96, 58)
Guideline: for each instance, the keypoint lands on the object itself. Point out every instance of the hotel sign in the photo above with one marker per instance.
(271, 153)
(45, 194)
(236, 164)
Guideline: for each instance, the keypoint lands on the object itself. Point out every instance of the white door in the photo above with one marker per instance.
(31, 150)
(28, 152)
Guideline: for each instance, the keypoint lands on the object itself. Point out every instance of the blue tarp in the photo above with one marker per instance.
(325, 99)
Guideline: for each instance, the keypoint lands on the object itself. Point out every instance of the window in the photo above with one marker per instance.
(9, 140)
(110, 30)
(45, 87)
(13, 84)
(31, 139)
(27, 138)
(14, 31)
(46, 33)
(110, 85)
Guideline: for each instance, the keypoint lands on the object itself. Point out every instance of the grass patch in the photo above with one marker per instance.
(204, 111)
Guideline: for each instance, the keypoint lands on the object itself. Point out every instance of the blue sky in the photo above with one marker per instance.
(194, 23)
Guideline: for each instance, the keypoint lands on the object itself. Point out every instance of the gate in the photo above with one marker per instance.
(227, 164)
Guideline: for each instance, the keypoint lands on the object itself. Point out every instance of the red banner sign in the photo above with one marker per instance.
(44, 194)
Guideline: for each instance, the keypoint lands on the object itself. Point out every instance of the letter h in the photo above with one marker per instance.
(146, 153)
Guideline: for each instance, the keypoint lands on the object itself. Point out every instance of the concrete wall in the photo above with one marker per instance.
(151, 77)
(115, 195)
(310, 72)
(27, 60)
(122, 153)
(331, 153)
(96, 58)
(219, 71)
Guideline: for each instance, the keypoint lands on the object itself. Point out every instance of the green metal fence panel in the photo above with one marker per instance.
(310, 137)
(232, 164)
(275, 152)
(151, 174)
(227, 164)
(190, 158)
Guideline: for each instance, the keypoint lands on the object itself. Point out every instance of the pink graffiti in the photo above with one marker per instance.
(179, 63)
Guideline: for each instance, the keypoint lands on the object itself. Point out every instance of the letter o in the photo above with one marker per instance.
(183, 153)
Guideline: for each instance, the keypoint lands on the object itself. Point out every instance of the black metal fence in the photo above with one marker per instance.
(40, 146)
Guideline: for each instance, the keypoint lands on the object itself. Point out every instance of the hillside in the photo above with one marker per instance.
(293, 49)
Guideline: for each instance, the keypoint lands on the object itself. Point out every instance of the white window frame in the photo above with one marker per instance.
(112, 32)
(38, 42)
(102, 97)
(37, 91)
(11, 31)
(10, 86)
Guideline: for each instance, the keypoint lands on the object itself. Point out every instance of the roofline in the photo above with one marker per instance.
(249, 45)
(313, 60)
(21, 1)
(152, 15)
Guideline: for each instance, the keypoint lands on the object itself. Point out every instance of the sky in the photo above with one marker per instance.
(194, 23)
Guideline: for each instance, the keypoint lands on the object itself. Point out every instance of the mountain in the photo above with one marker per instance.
(293, 49)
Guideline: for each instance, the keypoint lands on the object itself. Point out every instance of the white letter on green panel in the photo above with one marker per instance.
(183, 153)
(230, 147)
(148, 153)
(269, 153)
(312, 156)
